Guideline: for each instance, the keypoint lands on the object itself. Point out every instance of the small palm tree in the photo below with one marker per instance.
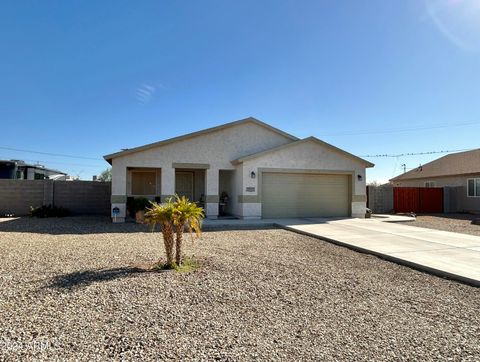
(162, 214)
(187, 214)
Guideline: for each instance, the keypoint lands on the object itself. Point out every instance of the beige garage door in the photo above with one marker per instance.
(304, 195)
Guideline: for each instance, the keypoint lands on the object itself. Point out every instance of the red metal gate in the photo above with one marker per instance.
(418, 199)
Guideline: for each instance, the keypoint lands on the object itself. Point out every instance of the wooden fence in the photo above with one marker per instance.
(418, 199)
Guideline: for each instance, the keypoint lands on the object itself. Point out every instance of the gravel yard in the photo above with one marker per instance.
(70, 288)
(458, 223)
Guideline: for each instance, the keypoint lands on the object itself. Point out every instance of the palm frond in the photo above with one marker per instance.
(188, 214)
(159, 213)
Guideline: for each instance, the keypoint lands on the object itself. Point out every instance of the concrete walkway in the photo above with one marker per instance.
(447, 254)
(238, 224)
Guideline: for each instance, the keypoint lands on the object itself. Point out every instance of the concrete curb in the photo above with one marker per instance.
(226, 227)
(419, 267)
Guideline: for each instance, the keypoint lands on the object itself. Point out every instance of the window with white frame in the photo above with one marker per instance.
(473, 187)
(143, 183)
(429, 183)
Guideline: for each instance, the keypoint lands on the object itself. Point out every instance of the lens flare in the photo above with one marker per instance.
(457, 20)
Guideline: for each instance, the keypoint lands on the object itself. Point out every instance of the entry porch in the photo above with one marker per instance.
(212, 189)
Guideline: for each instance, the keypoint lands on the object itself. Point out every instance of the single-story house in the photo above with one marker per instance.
(459, 172)
(246, 169)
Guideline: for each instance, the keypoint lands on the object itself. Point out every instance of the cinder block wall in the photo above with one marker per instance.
(83, 197)
(80, 197)
(16, 196)
(380, 199)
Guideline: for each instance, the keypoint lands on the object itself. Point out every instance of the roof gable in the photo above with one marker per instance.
(298, 142)
(461, 163)
(252, 120)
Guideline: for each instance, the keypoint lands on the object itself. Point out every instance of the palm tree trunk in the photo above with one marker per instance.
(168, 239)
(179, 245)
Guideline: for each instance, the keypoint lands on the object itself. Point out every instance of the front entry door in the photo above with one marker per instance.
(184, 184)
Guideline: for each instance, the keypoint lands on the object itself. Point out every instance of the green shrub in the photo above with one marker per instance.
(140, 204)
(49, 211)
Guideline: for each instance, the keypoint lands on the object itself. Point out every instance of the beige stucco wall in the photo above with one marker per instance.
(308, 156)
(217, 149)
(439, 181)
(237, 190)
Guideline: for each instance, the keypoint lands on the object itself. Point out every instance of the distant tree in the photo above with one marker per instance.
(106, 175)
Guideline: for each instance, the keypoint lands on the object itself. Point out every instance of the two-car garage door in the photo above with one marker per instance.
(304, 195)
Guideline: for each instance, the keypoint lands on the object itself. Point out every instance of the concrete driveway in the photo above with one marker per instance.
(443, 253)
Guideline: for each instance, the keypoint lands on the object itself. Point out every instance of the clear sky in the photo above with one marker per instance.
(87, 78)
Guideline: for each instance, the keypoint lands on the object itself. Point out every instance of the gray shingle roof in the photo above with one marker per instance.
(461, 163)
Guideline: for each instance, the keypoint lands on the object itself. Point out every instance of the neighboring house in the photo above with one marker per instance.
(458, 171)
(248, 168)
(19, 170)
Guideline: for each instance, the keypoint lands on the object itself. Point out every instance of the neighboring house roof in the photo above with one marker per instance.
(198, 133)
(20, 163)
(59, 176)
(462, 163)
(308, 139)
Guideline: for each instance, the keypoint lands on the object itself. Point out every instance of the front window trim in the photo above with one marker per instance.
(143, 171)
(476, 187)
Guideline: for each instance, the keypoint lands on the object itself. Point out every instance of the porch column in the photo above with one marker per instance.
(359, 196)
(211, 193)
(119, 192)
(168, 182)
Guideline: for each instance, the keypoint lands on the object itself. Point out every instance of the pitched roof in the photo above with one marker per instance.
(308, 139)
(198, 133)
(21, 163)
(461, 163)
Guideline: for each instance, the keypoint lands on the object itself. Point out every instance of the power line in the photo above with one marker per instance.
(51, 154)
(414, 153)
(56, 162)
(395, 130)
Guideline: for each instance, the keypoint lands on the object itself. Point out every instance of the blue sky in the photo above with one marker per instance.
(87, 78)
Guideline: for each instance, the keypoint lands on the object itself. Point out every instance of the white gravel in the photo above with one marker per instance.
(70, 290)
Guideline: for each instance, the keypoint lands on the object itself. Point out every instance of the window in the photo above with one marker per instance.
(430, 184)
(473, 187)
(143, 183)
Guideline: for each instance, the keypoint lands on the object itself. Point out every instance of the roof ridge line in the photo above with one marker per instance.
(254, 120)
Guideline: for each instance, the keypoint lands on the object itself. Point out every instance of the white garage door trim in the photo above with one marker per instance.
(312, 193)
